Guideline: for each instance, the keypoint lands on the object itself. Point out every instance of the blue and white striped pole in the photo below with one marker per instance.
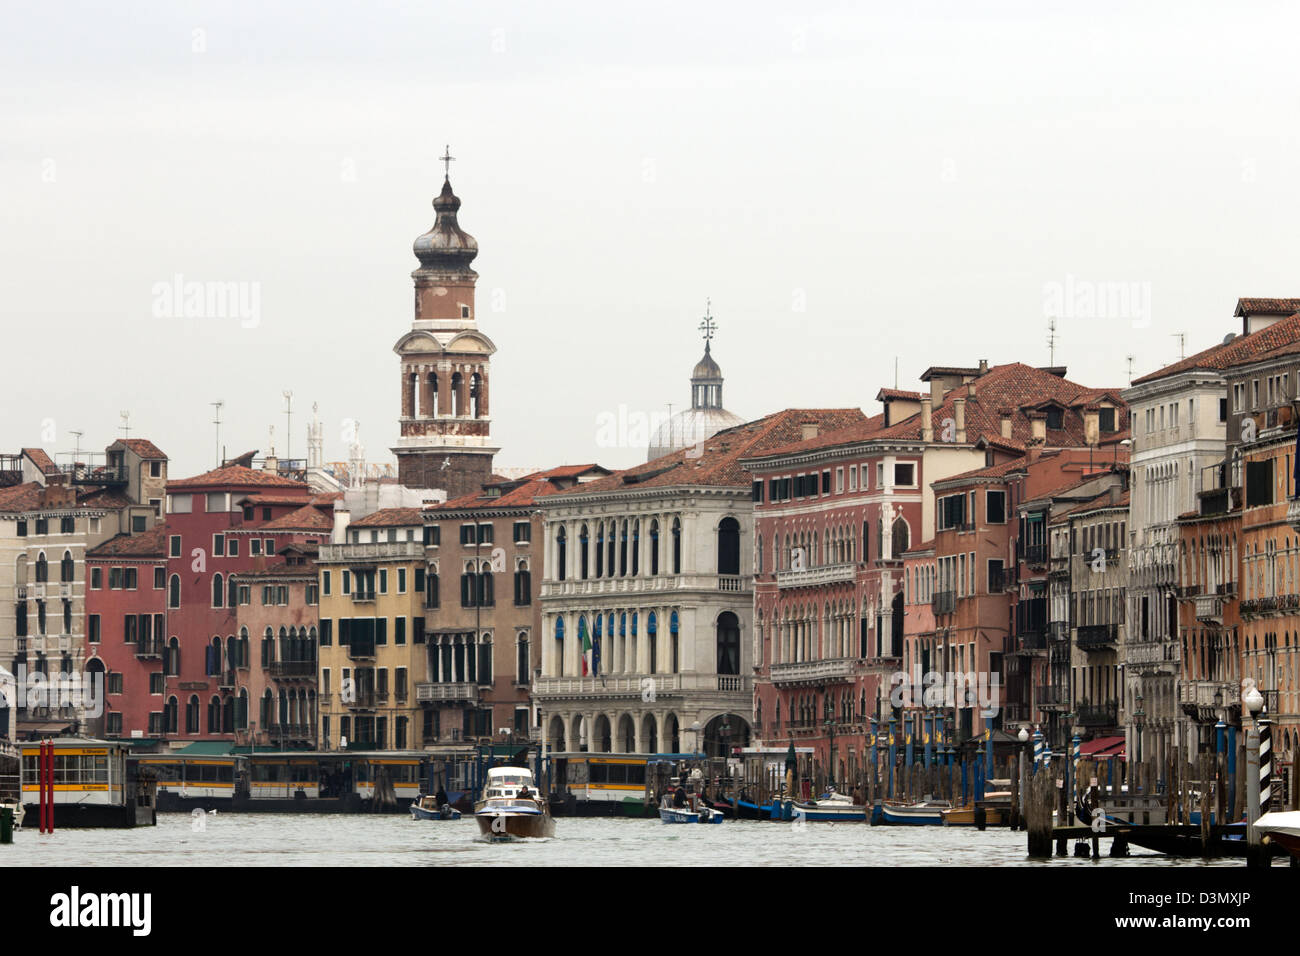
(1038, 749)
(1075, 747)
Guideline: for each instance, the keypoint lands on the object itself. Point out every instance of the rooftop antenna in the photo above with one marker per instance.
(125, 427)
(895, 371)
(1182, 344)
(76, 446)
(1130, 369)
(1051, 342)
(288, 424)
(217, 421)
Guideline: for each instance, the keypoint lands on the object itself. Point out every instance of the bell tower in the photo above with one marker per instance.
(445, 426)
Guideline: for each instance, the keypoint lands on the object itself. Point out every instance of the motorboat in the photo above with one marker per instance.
(925, 813)
(830, 807)
(700, 813)
(426, 807)
(1282, 828)
(996, 807)
(512, 807)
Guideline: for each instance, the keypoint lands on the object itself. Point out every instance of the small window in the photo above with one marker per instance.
(96, 578)
(155, 469)
(523, 532)
(160, 578)
(995, 509)
(485, 534)
(174, 549)
(905, 475)
(22, 529)
(255, 546)
(219, 545)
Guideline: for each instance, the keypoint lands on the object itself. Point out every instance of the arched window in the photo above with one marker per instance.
(174, 591)
(241, 709)
(582, 553)
(485, 591)
(431, 383)
(557, 665)
(192, 715)
(475, 390)
(66, 568)
(654, 547)
(228, 716)
(636, 548)
(42, 569)
(728, 643)
(523, 585)
(171, 714)
(600, 549)
(456, 384)
(218, 590)
(622, 550)
(729, 546)
(560, 553)
(523, 663)
(901, 537)
(268, 704)
(232, 592)
(677, 546)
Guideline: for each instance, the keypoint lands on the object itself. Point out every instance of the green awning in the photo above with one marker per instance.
(205, 748)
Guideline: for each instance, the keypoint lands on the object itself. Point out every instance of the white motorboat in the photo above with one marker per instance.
(1282, 828)
(512, 807)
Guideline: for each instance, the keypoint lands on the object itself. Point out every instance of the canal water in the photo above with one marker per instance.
(278, 839)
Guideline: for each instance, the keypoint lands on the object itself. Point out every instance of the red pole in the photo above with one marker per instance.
(40, 782)
(50, 765)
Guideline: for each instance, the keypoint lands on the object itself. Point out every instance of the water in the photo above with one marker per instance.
(283, 839)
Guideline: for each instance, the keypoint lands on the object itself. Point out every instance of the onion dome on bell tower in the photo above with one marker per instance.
(446, 247)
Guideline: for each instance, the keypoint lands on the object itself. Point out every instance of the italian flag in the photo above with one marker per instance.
(586, 650)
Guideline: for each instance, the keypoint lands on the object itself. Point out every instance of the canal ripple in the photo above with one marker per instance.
(275, 839)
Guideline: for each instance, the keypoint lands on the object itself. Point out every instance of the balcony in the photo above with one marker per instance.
(944, 602)
(291, 670)
(1209, 607)
(364, 699)
(1293, 513)
(814, 672)
(1097, 637)
(1090, 714)
(295, 732)
(150, 649)
(446, 691)
(363, 597)
(21, 592)
(1035, 555)
(1196, 697)
(639, 685)
(813, 577)
(375, 551)
(1031, 641)
(81, 474)
(226, 680)
(729, 582)
(1051, 697)
(361, 650)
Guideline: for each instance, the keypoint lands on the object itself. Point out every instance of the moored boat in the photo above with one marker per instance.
(996, 806)
(702, 813)
(1283, 829)
(512, 808)
(830, 807)
(926, 813)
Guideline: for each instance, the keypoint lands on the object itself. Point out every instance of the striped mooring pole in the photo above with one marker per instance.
(1038, 749)
(1075, 745)
(1265, 764)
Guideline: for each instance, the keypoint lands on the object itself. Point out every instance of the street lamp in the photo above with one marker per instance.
(1253, 701)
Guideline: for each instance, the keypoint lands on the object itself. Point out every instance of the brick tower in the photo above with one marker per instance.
(445, 362)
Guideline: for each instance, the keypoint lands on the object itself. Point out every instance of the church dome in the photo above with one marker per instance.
(706, 416)
(690, 427)
(446, 247)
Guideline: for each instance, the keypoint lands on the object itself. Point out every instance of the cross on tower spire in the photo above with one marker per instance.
(447, 159)
(707, 325)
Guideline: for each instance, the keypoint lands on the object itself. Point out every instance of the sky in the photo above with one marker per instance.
(853, 187)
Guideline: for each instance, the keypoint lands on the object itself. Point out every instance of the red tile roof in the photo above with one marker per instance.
(717, 463)
(24, 497)
(147, 544)
(1247, 307)
(390, 518)
(1236, 351)
(237, 476)
(1015, 386)
(899, 393)
(306, 518)
(41, 460)
(107, 498)
(142, 447)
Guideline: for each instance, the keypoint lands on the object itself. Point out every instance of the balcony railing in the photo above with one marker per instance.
(437, 691)
(363, 597)
(1035, 554)
(374, 551)
(812, 577)
(841, 668)
(1209, 607)
(81, 474)
(226, 680)
(1097, 636)
(361, 700)
(149, 649)
(1097, 715)
(291, 669)
(1032, 640)
(361, 650)
(1051, 696)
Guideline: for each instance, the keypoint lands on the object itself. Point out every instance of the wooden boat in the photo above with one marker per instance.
(926, 813)
(1282, 828)
(997, 811)
(512, 808)
(426, 807)
(830, 807)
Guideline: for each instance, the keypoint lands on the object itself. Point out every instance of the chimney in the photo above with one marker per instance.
(959, 420)
(271, 464)
(808, 430)
(1091, 428)
(936, 391)
(1006, 422)
(341, 518)
(1037, 428)
(970, 391)
(984, 366)
(927, 420)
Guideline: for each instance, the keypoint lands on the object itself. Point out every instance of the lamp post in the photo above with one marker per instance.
(1023, 774)
(1139, 718)
(1253, 701)
(830, 764)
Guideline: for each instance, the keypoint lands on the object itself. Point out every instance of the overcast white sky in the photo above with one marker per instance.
(848, 183)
